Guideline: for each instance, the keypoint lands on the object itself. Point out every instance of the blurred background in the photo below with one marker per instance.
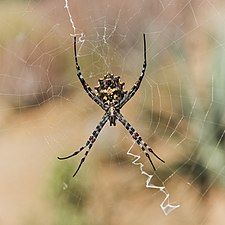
(45, 113)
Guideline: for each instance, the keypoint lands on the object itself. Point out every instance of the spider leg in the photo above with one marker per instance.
(138, 139)
(76, 152)
(150, 150)
(137, 84)
(86, 87)
(89, 143)
(83, 158)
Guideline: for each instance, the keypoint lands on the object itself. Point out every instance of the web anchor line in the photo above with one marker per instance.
(166, 207)
(70, 17)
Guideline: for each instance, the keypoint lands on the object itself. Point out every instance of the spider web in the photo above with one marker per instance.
(178, 111)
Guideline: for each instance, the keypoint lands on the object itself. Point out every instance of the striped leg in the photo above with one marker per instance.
(83, 158)
(89, 143)
(138, 139)
(87, 88)
(136, 86)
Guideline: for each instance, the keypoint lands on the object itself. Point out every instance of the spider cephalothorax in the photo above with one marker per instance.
(111, 97)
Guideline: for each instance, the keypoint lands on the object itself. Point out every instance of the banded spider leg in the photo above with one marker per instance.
(138, 139)
(89, 143)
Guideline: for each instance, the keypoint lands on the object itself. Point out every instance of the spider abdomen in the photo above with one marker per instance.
(110, 89)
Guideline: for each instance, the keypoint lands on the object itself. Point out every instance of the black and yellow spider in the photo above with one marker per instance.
(111, 97)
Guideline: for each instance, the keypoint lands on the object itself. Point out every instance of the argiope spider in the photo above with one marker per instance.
(111, 97)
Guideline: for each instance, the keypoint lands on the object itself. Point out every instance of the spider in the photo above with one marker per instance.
(111, 97)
